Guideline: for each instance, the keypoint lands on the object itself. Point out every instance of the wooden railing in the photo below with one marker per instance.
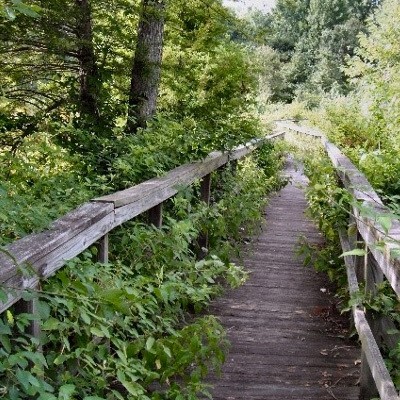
(381, 260)
(24, 263)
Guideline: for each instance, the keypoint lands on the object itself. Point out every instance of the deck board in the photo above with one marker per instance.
(287, 340)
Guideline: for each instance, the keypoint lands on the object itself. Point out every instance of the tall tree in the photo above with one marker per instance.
(146, 70)
(89, 78)
(42, 56)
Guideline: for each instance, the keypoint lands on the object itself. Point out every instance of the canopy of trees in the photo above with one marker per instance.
(312, 40)
(100, 95)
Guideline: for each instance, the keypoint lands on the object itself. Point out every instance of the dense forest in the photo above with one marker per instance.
(97, 96)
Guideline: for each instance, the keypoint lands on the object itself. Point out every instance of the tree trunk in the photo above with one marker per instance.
(146, 70)
(88, 71)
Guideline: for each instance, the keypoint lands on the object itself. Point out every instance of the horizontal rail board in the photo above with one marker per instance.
(46, 252)
(383, 381)
(178, 177)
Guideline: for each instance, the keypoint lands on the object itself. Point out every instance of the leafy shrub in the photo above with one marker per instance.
(126, 330)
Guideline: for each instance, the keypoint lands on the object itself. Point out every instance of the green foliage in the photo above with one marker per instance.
(328, 205)
(383, 303)
(313, 39)
(126, 329)
(15, 7)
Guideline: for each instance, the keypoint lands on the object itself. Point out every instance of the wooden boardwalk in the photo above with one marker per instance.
(287, 340)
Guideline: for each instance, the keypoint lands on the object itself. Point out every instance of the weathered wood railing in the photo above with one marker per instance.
(46, 252)
(379, 262)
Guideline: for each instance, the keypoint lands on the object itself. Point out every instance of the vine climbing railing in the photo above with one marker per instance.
(380, 260)
(24, 263)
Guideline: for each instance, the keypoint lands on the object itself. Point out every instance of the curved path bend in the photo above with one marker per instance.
(287, 339)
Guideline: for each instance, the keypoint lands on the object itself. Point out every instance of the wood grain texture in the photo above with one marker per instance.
(162, 187)
(375, 378)
(287, 341)
(378, 369)
(44, 253)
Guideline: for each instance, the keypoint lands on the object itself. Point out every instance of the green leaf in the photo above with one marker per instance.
(47, 396)
(93, 398)
(51, 324)
(4, 329)
(37, 358)
(149, 343)
(97, 332)
(23, 378)
(85, 318)
(117, 395)
(10, 317)
(34, 381)
(167, 351)
(25, 9)
(10, 13)
(386, 222)
(43, 310)
(5, 341)
(3, 295)
(66, 391)
(354, 252)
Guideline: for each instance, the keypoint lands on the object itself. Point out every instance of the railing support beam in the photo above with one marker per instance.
(155, 215)
(30, 307)
(103, 246)
(205, 196)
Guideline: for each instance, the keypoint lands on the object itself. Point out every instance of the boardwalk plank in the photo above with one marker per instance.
(287, 341)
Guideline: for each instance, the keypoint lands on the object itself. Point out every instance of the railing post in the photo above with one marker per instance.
(154, 215)
(102, 247)
(29, 307)
(367, 384)
(205, 196)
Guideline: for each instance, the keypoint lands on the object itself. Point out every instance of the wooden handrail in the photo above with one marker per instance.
(46, 252)
(369, 227)
(375, 378)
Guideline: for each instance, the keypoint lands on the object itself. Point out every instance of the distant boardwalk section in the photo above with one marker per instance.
(287, 341)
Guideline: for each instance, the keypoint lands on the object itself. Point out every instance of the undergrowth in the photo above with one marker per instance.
(129, 329)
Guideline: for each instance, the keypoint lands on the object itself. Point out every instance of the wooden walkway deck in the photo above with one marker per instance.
(287, 340)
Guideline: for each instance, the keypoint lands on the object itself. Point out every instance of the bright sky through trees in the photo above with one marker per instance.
(241, 6)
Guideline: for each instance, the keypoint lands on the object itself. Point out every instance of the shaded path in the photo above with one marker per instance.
(287, 341)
